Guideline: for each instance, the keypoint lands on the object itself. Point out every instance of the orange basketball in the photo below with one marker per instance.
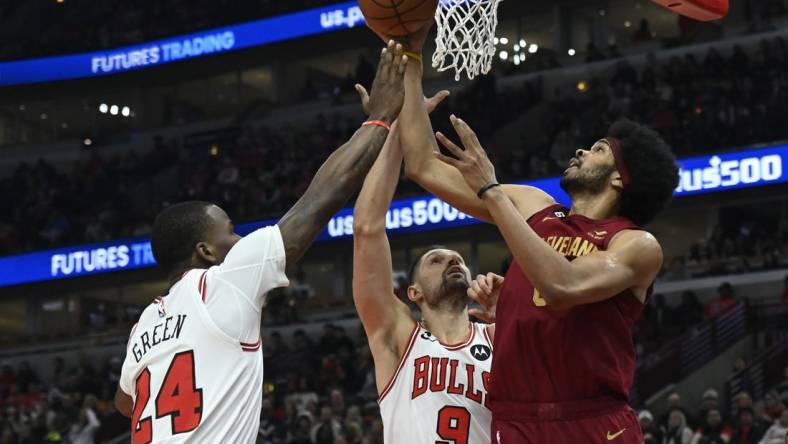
(397, 18)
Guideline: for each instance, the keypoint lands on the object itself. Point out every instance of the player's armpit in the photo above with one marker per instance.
(123, 402)
(631, 262)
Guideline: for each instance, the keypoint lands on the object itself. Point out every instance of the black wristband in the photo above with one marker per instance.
(487, 187)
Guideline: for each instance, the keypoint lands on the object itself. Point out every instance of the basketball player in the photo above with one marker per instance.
(432, 376)
(564, 357)
(194, 367)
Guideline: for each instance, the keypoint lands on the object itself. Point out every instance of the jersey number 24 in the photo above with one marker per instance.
(178, 397)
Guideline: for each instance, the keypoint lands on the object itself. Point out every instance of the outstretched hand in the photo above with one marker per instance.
(472, 162)
(385, 100)
(485, 290)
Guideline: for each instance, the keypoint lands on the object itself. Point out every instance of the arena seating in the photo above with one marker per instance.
(334, 394)
(699, 103)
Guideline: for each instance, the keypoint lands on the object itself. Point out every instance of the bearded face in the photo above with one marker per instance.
(444, 279)
(590, 180)
(589, 171)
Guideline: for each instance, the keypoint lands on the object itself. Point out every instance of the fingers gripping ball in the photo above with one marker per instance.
(397, 18)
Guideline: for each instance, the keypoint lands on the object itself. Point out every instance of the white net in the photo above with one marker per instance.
(466, 33)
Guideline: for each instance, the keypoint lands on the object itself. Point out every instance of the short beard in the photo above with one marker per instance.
(593, 181)
(452, 295)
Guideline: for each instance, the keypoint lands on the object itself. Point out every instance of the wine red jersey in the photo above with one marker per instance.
(548, 356)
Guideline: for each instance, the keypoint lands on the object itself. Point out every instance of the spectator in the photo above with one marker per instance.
(300, 431)
(593, 54)
(782, 388)
(741, 400)
(778, 432)
(674, 403)
(271, 428)
(643, 34)
(748, 430)
(328, 428)
(651, 433)
(689, 311)
(275, 355)
(84, 431)
(723, 301)
(677, 431)
(710, 401)
(739, 367)
(773, 406)
(7, 379)
(343, 340)
(375, 434)
(714, 430)
(329, 343)
(353, 425)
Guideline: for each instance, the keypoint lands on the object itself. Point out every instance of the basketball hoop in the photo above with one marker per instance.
(466, 33)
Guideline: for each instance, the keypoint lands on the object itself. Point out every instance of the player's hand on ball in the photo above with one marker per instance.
(417, 39)
(485, 290)
(472, 162)
(384, 101)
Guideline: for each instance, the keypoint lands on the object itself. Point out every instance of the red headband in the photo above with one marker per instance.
(615, 147)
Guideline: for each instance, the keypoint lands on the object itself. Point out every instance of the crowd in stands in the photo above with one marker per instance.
(662, 323)
(66, 404)
(696, 103)
(750, 246)
(61, 27)
(317, 392)
(739, 421)
(91, 203)
(322, 391)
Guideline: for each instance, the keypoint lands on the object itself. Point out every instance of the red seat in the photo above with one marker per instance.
(703, 10)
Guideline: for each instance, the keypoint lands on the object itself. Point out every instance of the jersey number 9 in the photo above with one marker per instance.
(454, 425)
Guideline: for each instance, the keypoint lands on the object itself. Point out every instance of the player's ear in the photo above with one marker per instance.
(414, 293)
(616, 182)
(205, 253)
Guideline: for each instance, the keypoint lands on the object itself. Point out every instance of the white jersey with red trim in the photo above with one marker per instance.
(194, 363)
(439, 392)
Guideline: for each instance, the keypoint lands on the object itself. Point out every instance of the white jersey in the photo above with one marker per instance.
(439, 392)
(194, 363)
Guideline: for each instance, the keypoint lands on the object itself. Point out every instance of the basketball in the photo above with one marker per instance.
(397, 18)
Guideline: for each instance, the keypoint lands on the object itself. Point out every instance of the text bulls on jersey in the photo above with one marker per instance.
(170, 328)
(440, 374)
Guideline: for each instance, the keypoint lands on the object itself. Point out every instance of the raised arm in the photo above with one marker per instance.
(342, 174)
(631, 262)
(386, 319)
(423, 167)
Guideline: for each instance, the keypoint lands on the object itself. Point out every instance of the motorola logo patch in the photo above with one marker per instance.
(481, 352)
